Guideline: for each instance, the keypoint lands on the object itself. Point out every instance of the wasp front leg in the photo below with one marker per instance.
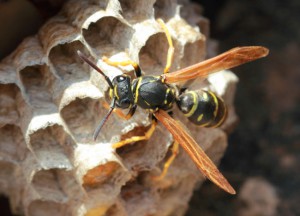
(171, 47)
(175, 151)
(119, 113)
(137, 69)
(147, 136)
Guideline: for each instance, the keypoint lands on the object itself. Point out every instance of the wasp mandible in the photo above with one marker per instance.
(158, 94)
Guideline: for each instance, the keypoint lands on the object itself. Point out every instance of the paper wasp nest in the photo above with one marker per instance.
(50, 103)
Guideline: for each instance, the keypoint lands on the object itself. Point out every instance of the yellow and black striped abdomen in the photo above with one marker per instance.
(203, 108)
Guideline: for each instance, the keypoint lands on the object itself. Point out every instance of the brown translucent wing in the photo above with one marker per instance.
(226, 60)
(202, 161)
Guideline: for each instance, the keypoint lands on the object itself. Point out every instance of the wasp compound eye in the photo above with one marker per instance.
(120, 79)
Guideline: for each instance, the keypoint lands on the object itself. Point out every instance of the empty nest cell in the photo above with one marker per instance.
(67, 64)
(137, 193)
(193, 53)
(136, 10)
(165, 9)
(153, 55)
(78, 11)
(102, 174)
(144, 155)
(108, 36)
(12, 144)
(47, 184)
(48, 146)
(91, 113)
(36, 82)
(8, 107)
(81, 126)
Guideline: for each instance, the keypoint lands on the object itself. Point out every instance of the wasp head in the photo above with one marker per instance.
(122, 91)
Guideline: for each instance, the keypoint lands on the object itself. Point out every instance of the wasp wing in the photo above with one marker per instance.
(202, 161)
(226, 60)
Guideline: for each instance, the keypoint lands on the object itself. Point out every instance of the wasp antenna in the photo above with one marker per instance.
(101, 124)
(84, 58)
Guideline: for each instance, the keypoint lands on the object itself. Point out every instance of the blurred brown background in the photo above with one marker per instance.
(264, 150)
(263, 158)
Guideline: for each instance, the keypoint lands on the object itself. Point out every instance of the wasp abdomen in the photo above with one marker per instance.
(203, 108)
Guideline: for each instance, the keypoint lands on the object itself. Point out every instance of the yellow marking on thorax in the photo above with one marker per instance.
(205, 96)
(166, 101)
(137, 91)
(151, 81)
(116, 93)
(146, 103)
(173, 91)
(110, 93)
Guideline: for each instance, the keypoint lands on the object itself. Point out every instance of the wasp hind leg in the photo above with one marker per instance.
(147, 136)
(137, 69)
(174, 150)
(171, 47)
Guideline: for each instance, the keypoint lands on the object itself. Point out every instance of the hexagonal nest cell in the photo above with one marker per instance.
(51, 102)
(153, 55)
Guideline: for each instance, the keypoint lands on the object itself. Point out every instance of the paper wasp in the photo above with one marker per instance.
(157, 94)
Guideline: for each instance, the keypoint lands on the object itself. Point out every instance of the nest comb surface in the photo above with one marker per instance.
(50, 103)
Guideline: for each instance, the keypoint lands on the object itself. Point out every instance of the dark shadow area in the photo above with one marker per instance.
(18, 19)
(4, 206)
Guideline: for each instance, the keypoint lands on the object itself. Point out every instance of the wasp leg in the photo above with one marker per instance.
(130, 112)
(120, 113)
(171, 47)
(147, 136)
(137, 69)
(175, 150)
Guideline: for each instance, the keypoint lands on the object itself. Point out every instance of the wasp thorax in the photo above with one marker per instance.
(122, 91)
